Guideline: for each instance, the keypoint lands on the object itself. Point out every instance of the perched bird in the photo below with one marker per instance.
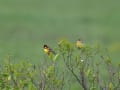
(48, 50)
(79, 44)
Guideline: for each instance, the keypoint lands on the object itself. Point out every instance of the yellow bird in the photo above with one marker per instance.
(48, 50)
(79, 44)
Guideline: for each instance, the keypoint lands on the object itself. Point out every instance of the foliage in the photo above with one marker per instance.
(89, 66)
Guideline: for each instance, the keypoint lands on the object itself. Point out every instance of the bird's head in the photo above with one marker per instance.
(45, 46)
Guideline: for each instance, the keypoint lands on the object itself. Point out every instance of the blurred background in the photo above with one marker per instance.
(25, 25)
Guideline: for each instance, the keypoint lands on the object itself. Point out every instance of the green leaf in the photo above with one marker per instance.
(110, 86)
(93, 88)
(9, 77)
(56, 57)
(31, 87)
(88, 72)
(5, 74)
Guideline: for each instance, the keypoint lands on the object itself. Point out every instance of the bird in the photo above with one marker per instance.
(48, 50)
(79, 44)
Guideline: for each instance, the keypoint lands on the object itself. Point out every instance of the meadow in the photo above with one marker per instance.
(26, 25)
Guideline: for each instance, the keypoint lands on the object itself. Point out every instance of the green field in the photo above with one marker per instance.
(25, 25)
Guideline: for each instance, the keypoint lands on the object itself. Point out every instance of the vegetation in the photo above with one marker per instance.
(26, 25)
(88, 66)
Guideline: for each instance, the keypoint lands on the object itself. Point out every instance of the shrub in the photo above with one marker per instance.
(89, 66)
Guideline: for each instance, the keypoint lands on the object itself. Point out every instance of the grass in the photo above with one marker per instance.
(26, 25)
